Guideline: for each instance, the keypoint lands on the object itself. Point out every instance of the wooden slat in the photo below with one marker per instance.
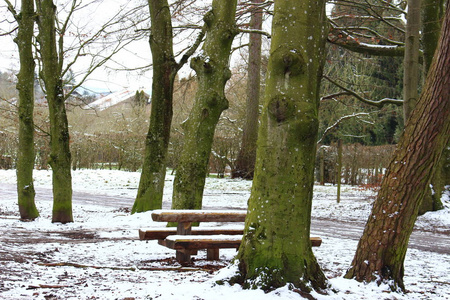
(212, 242)
(315, 241)
(162, 233)
(198, 216)
(203, 242)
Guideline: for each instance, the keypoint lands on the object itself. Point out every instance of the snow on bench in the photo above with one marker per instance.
(162, 233)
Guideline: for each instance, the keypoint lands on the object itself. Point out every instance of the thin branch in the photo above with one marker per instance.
(336, 124)
(379, 103)
(340, 37)
(261, 32)
(9, 32)
(192, 49)
(12, 9)
(332, 96)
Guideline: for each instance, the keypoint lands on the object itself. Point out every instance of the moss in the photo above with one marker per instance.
(212, 72)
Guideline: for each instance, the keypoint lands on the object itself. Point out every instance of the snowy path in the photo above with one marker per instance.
(420, 240)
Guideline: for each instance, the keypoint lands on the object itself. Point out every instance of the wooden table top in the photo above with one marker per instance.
(199, 215)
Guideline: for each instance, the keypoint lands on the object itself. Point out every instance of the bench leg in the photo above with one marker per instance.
(183, 257)
(212, 254)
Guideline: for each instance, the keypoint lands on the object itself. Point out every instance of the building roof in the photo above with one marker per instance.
(112, 99)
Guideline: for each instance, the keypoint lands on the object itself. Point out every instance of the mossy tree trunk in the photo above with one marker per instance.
(245, 162)
(25, 86)
(151, 184)
(213, 72)
(432, 15)
(382, 248)
(276, 249)
(60, 157)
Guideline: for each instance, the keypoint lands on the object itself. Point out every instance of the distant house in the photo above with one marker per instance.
(126, 97)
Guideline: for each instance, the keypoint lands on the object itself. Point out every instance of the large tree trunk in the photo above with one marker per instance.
(151, 184)
(411, 59)
(25, 86)
(276, 248)
(60, 157)
(382, 248)
(245, 162)
(212, 71)
(432, 15)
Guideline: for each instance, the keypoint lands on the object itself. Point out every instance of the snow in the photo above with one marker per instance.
(121, 266)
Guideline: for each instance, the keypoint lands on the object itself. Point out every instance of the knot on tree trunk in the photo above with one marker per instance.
(281, 108)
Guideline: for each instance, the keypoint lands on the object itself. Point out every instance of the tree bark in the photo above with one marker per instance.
(432, 15)
(276, 247)
(382, 248)
(60, 157)
(411, 59)
(339, 170)
(25, 86)
(212, 71)
(151, 184)
(245, 162)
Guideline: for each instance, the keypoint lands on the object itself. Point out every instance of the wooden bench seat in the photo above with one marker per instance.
(189, 244)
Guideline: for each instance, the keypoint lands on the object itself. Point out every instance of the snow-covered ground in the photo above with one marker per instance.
(104, 237)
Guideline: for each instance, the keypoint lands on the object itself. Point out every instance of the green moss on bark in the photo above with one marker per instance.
(60, 156)
(25, 86)
(151, 184)
(276, 249)
(212, 72)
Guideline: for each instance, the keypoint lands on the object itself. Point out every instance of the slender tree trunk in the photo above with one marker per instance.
(322, 165)
(212, 71)
(151, 184)
(25, 86)
(276, 249)
(339, 170)
(411, 59)
(382, 248)
(245, 162)
(432, 15)
(60, 157)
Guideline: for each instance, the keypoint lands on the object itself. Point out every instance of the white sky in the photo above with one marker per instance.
(135, 55)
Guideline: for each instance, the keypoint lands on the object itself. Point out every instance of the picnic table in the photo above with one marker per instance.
(187, 240)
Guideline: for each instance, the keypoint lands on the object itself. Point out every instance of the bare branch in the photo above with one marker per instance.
(192, 49)
(262, 32)
(342, 38)
(379, 103)
(336, 124)
(332, 96)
